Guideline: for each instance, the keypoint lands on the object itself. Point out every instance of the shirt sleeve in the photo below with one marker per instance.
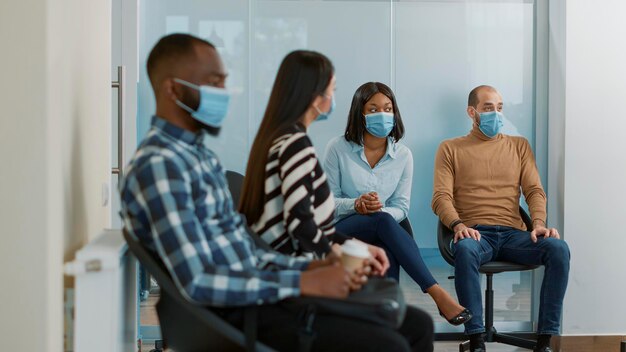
(298, 161)
(164, 191)
(343, 206)
(443, 187)
(271, 259)
(398, 204)
(531, 184)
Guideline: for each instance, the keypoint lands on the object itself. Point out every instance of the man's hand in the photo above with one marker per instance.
(332, 281)
(379, 261)
(367, 203)
(461, 231)
(543, 231)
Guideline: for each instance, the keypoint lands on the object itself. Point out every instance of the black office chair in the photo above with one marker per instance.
(406, 225)
(184, 325)
(235, 182)
(444, 238)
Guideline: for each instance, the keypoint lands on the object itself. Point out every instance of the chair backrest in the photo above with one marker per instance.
(406, 225)
(445, 237)
(184, 325)
(235, 183)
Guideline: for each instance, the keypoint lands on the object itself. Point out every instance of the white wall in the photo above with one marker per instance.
(24, 251)
(54, 150)
(594, 187)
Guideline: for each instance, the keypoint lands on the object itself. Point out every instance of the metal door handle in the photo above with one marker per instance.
(119, 84)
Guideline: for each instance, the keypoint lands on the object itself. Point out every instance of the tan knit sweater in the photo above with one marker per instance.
(478, 180)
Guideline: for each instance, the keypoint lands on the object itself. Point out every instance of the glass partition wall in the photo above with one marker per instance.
(431, 53)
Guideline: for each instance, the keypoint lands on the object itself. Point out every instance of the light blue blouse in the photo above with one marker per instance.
(350, 175)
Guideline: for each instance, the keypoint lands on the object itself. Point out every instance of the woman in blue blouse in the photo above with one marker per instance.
(370, 174)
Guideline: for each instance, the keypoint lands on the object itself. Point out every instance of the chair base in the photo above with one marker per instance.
(519, 340)
(158, 346)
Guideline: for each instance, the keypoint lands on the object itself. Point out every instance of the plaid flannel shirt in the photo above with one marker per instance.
(176, 202)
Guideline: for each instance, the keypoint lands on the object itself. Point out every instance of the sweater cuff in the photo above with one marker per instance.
(454, 223)
(539, 219)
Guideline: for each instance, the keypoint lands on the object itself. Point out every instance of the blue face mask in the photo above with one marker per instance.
(213, 105)
(324, 115)
(491, 123)
(379, 124)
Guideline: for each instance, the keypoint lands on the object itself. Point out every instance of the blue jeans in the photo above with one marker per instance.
(382, 230)
(513, 245)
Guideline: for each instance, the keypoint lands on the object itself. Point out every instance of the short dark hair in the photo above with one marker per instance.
(169, 51)
(472, 99)
(356, 123)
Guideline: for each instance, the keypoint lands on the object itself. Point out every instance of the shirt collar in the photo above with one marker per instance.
(391, 148)
(355, 147)
(176, 132)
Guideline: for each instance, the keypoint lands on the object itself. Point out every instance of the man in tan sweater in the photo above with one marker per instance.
(476, 194)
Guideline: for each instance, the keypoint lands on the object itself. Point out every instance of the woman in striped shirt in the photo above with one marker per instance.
(285, 197)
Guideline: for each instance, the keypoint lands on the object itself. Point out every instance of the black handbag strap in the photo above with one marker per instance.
(307, 335)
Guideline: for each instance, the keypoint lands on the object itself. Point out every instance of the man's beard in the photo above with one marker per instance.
(213, 131)
(187, 100)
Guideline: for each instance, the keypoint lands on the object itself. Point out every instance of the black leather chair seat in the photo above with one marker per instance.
(499, 267)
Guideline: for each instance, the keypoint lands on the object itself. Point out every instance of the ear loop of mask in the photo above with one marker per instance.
(320, 111)
(180, 103)
(476, 111)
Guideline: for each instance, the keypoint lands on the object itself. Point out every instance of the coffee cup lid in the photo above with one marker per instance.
(355, 248)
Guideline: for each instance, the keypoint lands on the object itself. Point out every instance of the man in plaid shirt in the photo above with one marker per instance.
(176, 202)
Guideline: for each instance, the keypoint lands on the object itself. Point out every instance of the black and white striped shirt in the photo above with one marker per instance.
(298, 213)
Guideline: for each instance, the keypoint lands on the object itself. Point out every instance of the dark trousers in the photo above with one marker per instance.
(382, 230)
(278, 327)
(509, 244)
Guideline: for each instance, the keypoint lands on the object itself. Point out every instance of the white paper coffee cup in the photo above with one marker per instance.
(353, 253)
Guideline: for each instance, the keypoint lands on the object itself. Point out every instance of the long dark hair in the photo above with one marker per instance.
(303, 75)
(356, 122)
